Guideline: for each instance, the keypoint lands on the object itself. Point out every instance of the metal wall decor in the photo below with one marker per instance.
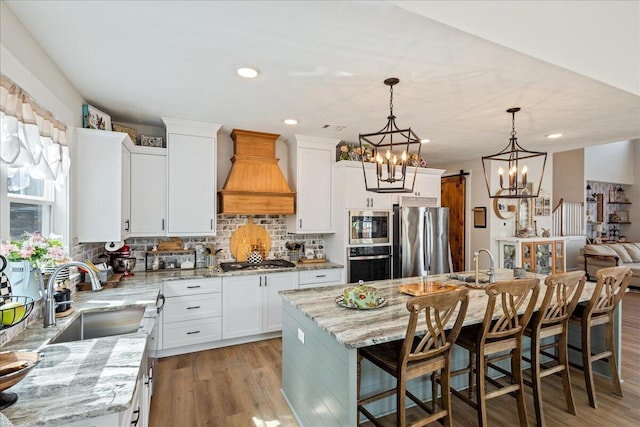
(512, 159)
(391, 153)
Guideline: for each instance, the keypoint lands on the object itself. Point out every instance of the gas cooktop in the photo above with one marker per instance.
(264, 265)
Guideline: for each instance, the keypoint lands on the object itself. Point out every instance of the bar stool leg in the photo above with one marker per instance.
(536, 380)
(516, 370)
(481, 389)
(613, 365)
(400, 400)
(563, 359)
(445, 392)
(359, 370)
(586, 362)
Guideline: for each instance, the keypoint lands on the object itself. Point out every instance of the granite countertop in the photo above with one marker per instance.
(361, 328)
(78, 380)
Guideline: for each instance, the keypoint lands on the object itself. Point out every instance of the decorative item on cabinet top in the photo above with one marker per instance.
(133, 134)
(92, 118)
(152, 141)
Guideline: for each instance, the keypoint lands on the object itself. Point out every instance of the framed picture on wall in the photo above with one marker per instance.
(480, 217)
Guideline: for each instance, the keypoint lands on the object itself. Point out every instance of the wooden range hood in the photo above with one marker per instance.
(255, 184)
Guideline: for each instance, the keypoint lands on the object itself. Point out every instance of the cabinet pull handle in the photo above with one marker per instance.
(193, 287)
(212, 223)
(163, 224)
(193, 332)
(265, 281)
(300, 222)
(321, 275)
(193, 307)
(260, 281)
(367, 202)
(126, 227)
(371, 202)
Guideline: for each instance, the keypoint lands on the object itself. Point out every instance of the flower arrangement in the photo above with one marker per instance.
(41, 252)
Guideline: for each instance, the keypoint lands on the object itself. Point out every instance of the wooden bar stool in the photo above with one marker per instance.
(418, 355)
(552, 320)
(500, 331)
(611, 285)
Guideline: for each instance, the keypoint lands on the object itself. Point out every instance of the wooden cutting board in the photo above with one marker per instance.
(418, 289)
(245, 236)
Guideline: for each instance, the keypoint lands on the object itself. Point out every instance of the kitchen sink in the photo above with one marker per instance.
(470, 277)
(97, 324)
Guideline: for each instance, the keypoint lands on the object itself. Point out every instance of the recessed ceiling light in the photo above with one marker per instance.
(425, 141)
(290, 122)
(554, 135)
(248, 72)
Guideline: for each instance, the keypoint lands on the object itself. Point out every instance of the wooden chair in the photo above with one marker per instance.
(500, 331)
(611, 285)
(418, 355)
(552, 320)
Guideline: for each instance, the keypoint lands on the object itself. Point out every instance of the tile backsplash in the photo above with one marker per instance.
(275, 225)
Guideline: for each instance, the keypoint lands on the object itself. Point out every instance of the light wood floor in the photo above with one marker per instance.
(240, 386)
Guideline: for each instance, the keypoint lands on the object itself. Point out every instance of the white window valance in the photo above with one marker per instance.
(31, 136)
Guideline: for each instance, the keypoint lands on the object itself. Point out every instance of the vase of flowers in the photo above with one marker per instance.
(28, 258)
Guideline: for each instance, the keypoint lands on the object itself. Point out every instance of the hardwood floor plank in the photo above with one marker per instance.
(239, 386)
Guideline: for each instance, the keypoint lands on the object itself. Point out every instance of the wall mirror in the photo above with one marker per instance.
(524, 218)
(504, 208)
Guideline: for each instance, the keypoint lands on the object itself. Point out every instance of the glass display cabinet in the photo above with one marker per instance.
(536, 254)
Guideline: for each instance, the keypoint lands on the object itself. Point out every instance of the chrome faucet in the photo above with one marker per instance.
(492, 265)
(49, 302)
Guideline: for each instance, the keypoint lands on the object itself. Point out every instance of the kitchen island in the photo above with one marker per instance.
(320, 341)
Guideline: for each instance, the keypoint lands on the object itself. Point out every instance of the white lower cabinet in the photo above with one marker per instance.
(134, 416)
(192, 312)
(252, 304)
(323, 277)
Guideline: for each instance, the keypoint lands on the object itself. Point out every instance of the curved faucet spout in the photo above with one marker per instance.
(492, 265)
(49, 302)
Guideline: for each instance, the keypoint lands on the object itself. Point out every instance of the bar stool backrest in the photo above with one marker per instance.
(508, 297)
(612, 283)
(438, 309)
(561, 297)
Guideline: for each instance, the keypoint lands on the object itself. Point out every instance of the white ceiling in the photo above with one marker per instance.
(324, 63)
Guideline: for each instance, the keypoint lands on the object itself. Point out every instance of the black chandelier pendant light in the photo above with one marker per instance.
(518, 163)
(392, 153)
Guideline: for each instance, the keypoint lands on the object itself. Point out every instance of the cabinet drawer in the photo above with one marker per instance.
(190, 332)
(178, 309)
(177, 288)
(319, 277)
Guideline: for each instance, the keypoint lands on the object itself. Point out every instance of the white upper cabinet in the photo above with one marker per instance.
(191, 177)
(311, 163)
(102, 160)
(148, 192)
(357, 197)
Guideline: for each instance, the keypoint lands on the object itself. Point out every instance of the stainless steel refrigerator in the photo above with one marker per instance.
(420, 241)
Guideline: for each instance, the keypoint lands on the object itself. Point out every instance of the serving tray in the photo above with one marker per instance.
(419, 289)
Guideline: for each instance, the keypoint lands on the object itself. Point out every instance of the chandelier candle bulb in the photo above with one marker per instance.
(524, 176)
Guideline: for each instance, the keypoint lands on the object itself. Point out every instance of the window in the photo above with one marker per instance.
(34, 163)
(30, 203)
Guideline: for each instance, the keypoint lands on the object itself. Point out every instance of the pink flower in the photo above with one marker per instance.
(7, 248)
(26, 251)
(57, 254)
(344, 149)
(358, 150)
